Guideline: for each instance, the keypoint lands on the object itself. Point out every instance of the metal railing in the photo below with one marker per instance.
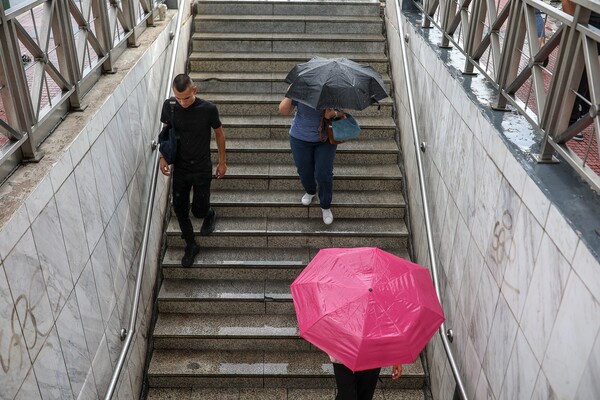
(434, 268)
(128, 334)
(51, 54)
(538, 75)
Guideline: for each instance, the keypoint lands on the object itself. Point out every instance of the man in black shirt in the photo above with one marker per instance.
(192, 118)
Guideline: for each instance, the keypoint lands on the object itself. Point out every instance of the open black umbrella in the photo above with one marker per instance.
(335, 83)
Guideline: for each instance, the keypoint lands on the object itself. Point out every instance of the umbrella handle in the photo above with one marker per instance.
(375, 101)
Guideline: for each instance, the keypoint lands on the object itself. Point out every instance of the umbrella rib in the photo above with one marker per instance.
(334, 310)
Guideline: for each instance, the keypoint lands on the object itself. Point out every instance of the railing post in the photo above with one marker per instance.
(15, 97)
(511, 56)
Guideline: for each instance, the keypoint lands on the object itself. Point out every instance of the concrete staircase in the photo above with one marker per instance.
(226, 327)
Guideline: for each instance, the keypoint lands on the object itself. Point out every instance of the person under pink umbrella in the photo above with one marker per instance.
(359, 385)
(368, 309)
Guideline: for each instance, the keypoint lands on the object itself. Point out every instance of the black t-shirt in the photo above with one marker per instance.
(193, 126)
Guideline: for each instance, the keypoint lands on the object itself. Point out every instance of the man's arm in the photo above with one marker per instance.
(220, 138)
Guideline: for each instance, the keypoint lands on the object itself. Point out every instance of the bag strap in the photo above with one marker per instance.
(323, 119)
(172, 103)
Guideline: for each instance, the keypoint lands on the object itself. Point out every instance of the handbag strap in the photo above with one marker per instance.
(323, 120)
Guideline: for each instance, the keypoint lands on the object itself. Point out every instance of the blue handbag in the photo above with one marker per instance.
(167, 139)
(345, 129)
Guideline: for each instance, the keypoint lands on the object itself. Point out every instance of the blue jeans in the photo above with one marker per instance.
(314, 162)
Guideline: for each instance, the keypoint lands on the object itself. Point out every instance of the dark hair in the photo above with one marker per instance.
(182, 82)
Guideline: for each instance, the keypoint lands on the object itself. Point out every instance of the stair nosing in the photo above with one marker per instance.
(331, 37)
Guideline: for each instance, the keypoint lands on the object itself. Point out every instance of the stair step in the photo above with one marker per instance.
(360, 145)
(274, 332)
(248, 82)
(326, 8)
(296, 232)
(287, 24)
(274, 62)
(245, 263)
(381, 393)
(225, 296)
(286, 204)
(361, 151)
(259, 369)
(288, 42)
(278, 127)
(263, 104)
(284, 177)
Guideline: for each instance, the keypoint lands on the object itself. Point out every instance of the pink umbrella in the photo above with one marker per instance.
(366, 307)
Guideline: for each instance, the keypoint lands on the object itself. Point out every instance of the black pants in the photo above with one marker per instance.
(183, 184)
(355, 385)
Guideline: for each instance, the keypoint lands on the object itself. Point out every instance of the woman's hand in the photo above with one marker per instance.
(331, 113)
(396, 371)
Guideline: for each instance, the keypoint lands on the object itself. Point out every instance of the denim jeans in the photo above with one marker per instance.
(314, 163)
(183, 184)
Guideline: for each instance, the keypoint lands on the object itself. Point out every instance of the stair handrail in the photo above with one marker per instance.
(127, 334)
(430, 247)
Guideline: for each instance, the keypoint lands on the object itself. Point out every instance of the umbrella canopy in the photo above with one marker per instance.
(366, 307)
(335, 83)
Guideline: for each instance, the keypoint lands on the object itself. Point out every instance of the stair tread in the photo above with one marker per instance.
(343, 198)
(187, 393)
(328, 37)
(278, 121)
(251, 257)
(198, 289)
(289, 171)
(299, 56)
(362, 145)
(246, 363)
(311, 18)
(300, 226)
(257, 98)
(244, 257)
(244, 326)
(247, 76)
(309, 2)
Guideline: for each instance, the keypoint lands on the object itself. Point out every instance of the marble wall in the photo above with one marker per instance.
(70, 237)
(520, 288)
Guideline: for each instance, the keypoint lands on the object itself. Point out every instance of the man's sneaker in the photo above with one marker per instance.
(208, 226)
(327, 216)
(578, 137)
(191, 251)
(307, 199)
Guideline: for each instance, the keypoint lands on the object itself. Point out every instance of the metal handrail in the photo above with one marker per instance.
(129, 333)
(432, 256)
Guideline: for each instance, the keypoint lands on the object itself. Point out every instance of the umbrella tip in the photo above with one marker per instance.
(370, 289)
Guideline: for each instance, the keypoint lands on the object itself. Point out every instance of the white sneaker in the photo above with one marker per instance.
(327, 216)
(307, 199)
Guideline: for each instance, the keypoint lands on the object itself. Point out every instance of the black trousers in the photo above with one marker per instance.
(183, 184)
(355, 385)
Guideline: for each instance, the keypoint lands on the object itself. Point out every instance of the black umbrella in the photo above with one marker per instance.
(335, 83)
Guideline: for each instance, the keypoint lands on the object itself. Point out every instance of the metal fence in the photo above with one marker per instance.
(543, 61)
(51, 53)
